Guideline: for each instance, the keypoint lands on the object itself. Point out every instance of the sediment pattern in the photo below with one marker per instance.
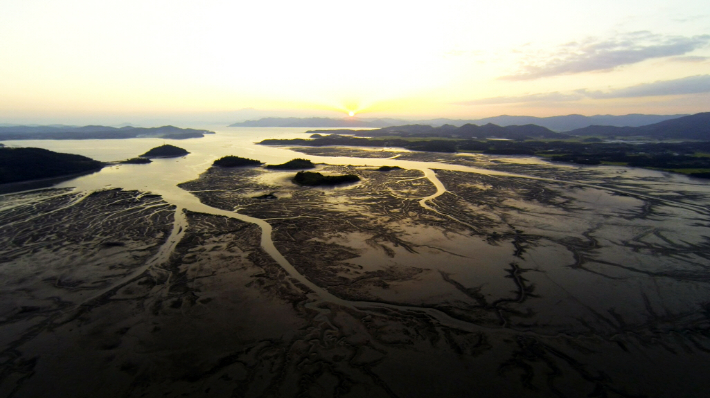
(439, 283)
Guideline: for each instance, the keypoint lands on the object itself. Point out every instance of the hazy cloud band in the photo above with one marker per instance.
(684, 86)
(594, 55)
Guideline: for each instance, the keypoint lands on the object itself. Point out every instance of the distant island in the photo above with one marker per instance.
(235, 161)
(314, 122)
(555, 123)
(312, 179)
(136, 161)
(8, 133)
(294, 164)
(165, 151)
(23, 164)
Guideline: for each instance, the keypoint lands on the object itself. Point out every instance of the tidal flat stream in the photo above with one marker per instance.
(507, 276)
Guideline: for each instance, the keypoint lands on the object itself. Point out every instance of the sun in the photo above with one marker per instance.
(351, 113)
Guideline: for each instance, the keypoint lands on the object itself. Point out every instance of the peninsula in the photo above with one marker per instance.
(23, 164)
(8, 133)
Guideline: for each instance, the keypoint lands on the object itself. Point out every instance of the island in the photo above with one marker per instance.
(389, 168)
(311, 179)
(23, 164)
(136, 161)
(235, 161)
(293, 164)
(165, 151)
(97, 132)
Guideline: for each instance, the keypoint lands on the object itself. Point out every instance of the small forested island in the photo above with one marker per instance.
(165, 151)
(294, 164)
(97, 132)
(136, 161)
(23, 164)
(235, 161)
(389, 168)
(312, 179)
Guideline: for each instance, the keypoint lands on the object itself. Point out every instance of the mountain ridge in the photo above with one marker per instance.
(556, 123)
(693, 127)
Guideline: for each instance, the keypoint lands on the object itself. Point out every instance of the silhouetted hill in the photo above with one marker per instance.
(571, 122)
(58, 132)
(22, 164)
(165, 151)
(693, 127)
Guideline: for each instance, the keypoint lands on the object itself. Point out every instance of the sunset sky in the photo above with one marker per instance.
(127, 61)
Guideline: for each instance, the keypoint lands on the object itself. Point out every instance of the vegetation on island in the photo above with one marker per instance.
(294, 164)
(311, 179)
(165, 151)
(23, 164)
(136, 161)
(235, 161)
(388, 168)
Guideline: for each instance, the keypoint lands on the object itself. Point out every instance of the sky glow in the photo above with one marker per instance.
(127, 60)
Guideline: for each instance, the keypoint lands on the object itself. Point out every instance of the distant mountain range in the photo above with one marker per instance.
(693, 127)
(556, 123)
(60, 132)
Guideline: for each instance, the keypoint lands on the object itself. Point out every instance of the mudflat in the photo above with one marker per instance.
(535, 280)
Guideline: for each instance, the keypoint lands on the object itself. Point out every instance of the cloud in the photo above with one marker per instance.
(544, 97)
(683, 86)
(690, 58)
(687, 85)
(605, 55)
